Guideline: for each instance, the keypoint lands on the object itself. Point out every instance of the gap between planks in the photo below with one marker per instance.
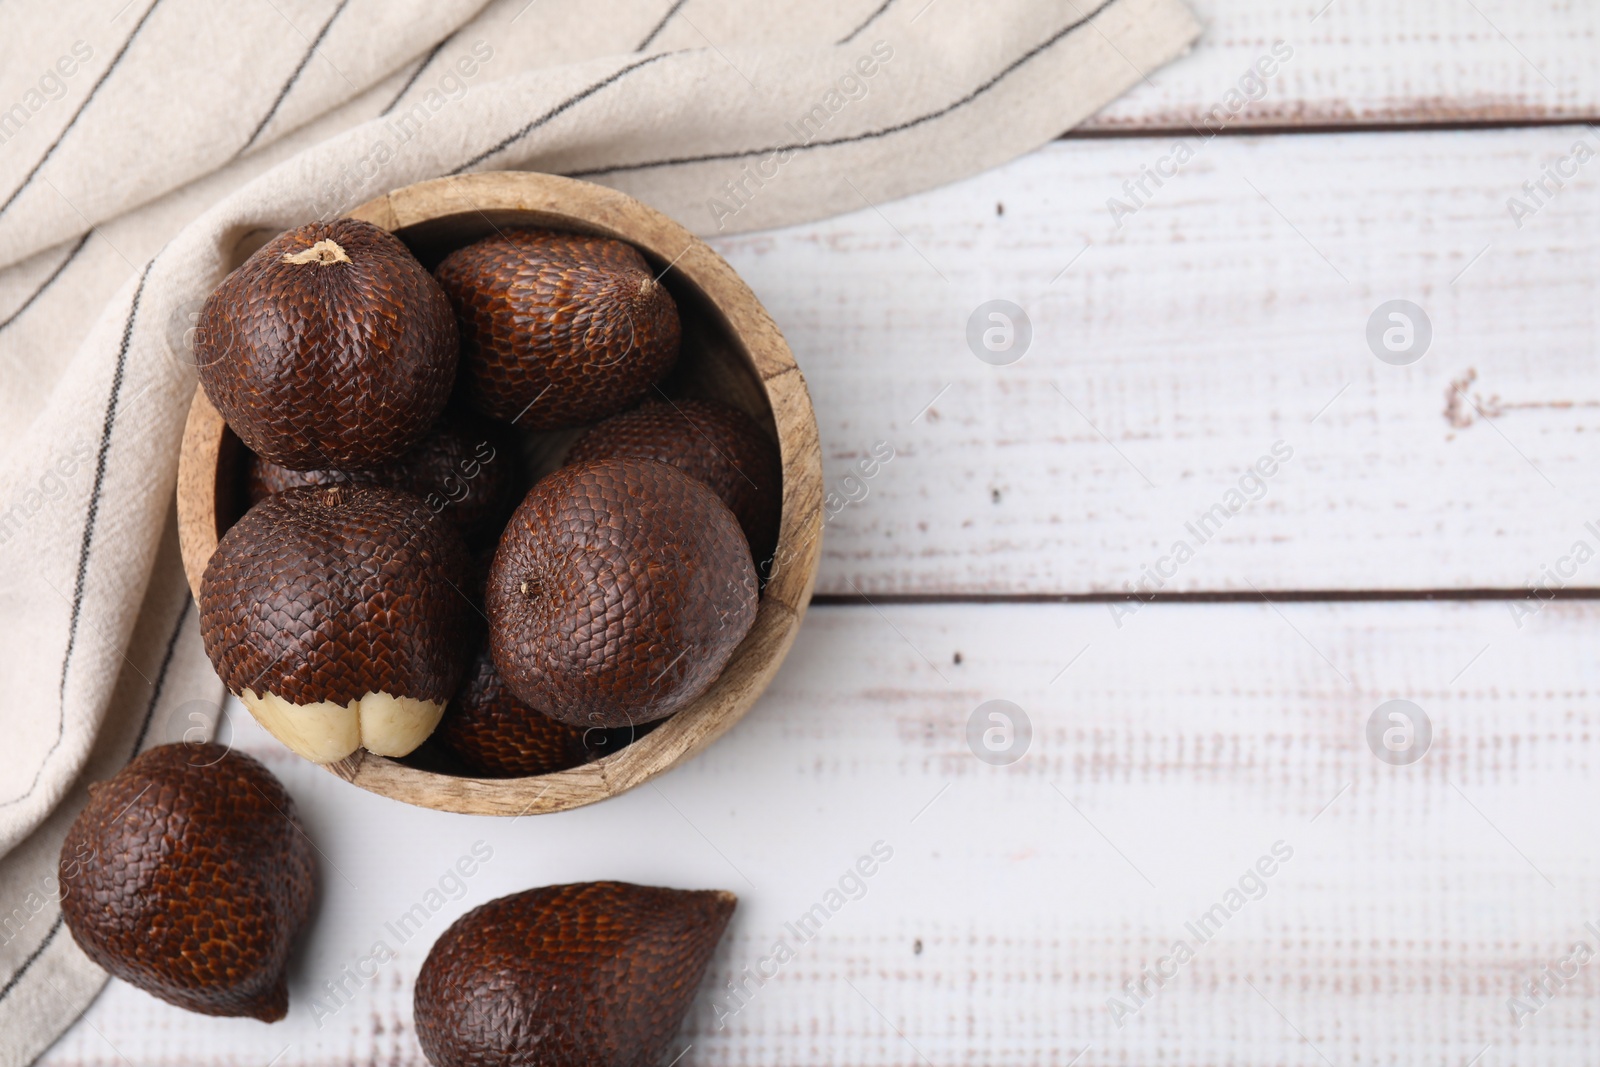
(1465, 125)
(1274, 596)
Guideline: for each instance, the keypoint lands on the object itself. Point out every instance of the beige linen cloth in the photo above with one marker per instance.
(142, 142)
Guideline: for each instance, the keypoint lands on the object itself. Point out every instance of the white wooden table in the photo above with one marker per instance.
(1174, 745)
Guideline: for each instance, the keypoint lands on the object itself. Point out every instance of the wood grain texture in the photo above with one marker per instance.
(1170, 354)
(205, 485)
(1369, 63)
(1171, 754)
(733, 352)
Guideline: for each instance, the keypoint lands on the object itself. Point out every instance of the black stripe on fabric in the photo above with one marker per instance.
(559, 108)
(99, 479)
(33, 957)
(426, 60)
(88, 530)
(161, 678)
(73, 121)
(295, 77)
(48, 282)
(853, 34)
(653, 34)
(1011, 68)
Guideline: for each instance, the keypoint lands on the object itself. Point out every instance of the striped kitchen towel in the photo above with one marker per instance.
(144, 143)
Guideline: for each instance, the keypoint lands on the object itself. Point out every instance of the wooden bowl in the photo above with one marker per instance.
(732, 350)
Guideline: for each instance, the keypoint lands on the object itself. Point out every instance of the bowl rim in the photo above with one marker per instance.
(566, 203)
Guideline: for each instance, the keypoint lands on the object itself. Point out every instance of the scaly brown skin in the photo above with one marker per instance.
(331, 347)
(619, 592)
(558, 329)
(709, 441)
(469, 475)
(328, 595)
(264, 477)
(188, 876)
(596, 974)
(498, 736)
(495, 735)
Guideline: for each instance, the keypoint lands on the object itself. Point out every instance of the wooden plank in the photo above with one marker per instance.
(1367, 62)
(1202, 331)
(1225, 317)
(1172, 754)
